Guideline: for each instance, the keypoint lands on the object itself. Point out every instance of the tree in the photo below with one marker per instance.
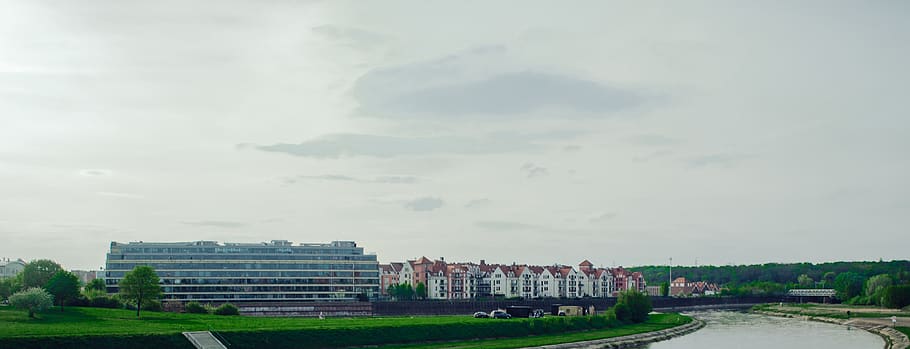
(96, 285)
(828, 279)
(897, 296)
(140, 286)
(639, 305)
(848, 285)
(805, 281)
(877, 284)
(37, 273)
(34, 299)
(8, 286)
(421, 290)
(665, 289)
(64, 286)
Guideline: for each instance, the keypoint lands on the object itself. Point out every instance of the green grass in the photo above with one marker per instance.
(114, 328)
(99, 321)
(656, 322)
(904, 330)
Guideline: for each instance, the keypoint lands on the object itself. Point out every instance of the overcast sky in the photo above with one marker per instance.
(620, 132)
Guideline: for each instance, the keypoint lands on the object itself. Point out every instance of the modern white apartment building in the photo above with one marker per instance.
(267, 271)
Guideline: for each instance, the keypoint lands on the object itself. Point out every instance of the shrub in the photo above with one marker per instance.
(622, 312)
(639, 305)
(34, 299)
(227, 309)
(105, 302)
(195, 308)
(897, 296)
(152, 306)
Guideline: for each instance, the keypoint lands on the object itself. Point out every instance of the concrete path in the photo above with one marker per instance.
(204, 340)
(630, 340)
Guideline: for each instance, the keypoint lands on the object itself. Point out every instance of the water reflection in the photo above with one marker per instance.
(728, 329)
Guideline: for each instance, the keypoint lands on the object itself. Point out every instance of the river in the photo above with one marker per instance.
(729, 329)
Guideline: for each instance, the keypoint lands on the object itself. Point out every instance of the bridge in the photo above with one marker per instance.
(820, 295)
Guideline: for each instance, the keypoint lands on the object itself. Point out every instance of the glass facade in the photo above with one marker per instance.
(270, 271)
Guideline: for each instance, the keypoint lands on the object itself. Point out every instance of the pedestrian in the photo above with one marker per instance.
(321, 315)
(893, 321)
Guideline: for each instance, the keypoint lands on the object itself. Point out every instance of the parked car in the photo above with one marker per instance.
(537, 313)
(499, 314)
(481, 315)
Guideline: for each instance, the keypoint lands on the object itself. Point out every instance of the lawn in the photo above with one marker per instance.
(904, 330)
(115, 328)
(99, 321)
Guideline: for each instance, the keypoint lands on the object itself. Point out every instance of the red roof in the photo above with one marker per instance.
(586, 263)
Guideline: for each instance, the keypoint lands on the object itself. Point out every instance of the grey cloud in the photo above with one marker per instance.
(571, 148)
(217, 224)
(120, 195)
(506, 95)
(652, 155)
(350, 35)
(95, 172)
(523, 227)
(343, 178)
(477, 203)
(653, 140)
(603, 217)
(341, 145)
(532, 170)
(424, 204)
(720, 160)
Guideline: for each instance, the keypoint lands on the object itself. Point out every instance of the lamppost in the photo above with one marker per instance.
(670, 286)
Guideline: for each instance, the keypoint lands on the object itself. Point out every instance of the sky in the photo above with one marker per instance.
(626, 133)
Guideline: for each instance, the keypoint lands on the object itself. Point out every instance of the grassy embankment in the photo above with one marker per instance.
(836, 311)
(904, 330)
(113, 328)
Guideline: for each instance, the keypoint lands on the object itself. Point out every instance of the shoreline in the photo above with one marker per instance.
(893, 338)
(630, 340)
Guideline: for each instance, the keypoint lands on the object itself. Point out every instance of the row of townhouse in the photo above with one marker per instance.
(471, 280)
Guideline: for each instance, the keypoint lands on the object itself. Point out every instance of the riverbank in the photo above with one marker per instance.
(115, 328)
(894, 339)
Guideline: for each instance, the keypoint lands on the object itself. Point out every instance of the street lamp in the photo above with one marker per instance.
(670, 286)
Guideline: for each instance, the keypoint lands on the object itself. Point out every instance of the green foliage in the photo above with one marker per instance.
(37, 273)
(227, 309)
(849, 285)
(8, 286)
(781, 273)
(402, 292)
(105, 302)
(622, 312)
(195, 308)
(878, 283)
(805, 281)
(755, 288)
(665, 289)
(639, 305)
(33, 300)
(896, 296)
(64, 286)
(140, 286)
(97, 285)
(421, 290)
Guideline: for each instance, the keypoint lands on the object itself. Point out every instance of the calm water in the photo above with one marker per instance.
(727, 329)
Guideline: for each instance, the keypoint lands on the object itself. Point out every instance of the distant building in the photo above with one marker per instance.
(10, 268)
(680, 287)
(207, 271)
(471, 281)
(86, 276)
(653, 291)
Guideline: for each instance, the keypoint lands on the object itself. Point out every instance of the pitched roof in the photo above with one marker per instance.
(586, 263)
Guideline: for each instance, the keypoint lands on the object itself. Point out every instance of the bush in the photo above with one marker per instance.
(195, 308)
(34, 300)
(639, 306)
(897, 296)
(105, 302)
(227, 309)
(152, 306)
(622, 312)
